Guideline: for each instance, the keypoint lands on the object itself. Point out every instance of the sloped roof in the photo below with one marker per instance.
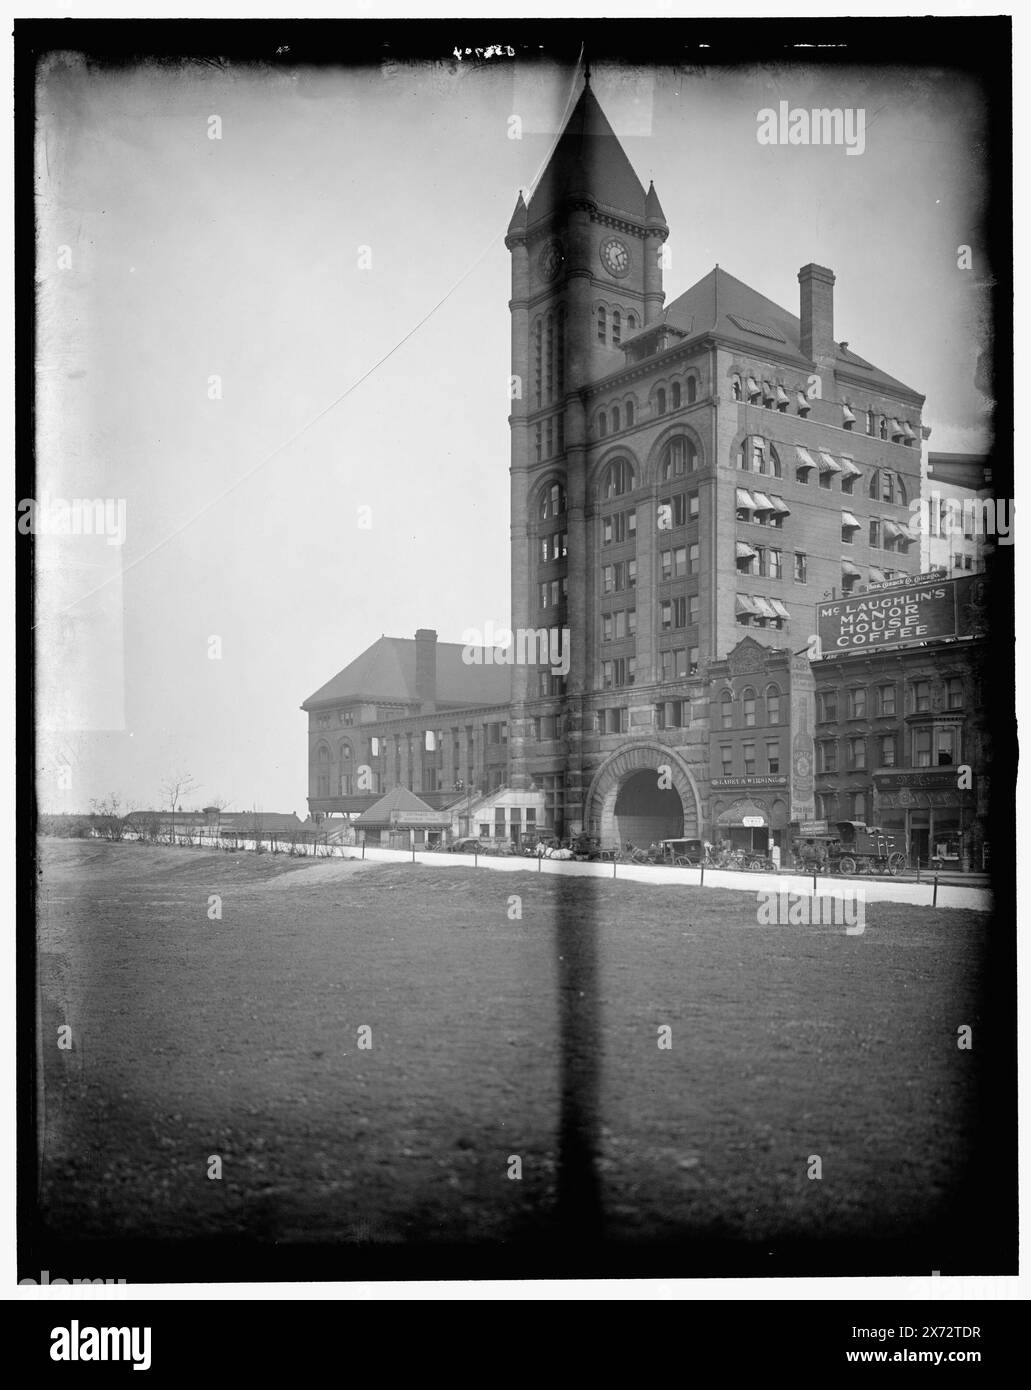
(386, 671)
(719, 303)
(588, 158)
(397, 799)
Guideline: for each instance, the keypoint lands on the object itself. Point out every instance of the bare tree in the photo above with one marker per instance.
(174, 787)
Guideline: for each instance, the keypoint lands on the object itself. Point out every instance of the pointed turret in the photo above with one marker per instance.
(653, 209)
(517, 226)
(588, 161)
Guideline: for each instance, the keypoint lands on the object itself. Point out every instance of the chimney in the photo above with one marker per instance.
(426, 669)
(816, 312)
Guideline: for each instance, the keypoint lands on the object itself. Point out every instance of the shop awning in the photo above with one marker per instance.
(744, 604)
(828, 464)
(744, 551)
(745, 499)
(805, 458)
(847, 519)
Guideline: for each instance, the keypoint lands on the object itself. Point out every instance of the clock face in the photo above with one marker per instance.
(550, 261)
(615, 257)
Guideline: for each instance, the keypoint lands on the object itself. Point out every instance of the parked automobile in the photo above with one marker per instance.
(468, 844)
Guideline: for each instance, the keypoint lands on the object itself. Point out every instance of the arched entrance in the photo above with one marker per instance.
(646, 812)
(643, 793)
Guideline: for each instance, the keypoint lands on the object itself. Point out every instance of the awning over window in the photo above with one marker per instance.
(753, 387)
(850, 470)
(896, 429)
(745, 499)
(805, 458)
(779, 608)
(877, 575)
(847, 415)
(782, 396)
(828, 464)
(849, 569)
(779, 505)
(764, 606)
(767, 391)
(847, 519)
(744, 551)
(896, 531)
(744, 604)
(763, 503)
(735, 815)
(907, 431)
(803, 404)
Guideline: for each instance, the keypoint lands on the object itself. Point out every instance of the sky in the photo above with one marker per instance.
(285, 350)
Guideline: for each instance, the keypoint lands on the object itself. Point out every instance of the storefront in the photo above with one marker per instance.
(938, 818)
(752, 823)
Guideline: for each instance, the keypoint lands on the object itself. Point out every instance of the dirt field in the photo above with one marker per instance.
(194, 1038)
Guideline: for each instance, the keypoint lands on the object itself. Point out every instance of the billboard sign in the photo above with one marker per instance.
(914, 611)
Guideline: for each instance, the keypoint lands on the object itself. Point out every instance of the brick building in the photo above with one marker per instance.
(683, 477)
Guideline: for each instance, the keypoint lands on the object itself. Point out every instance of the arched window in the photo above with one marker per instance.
(735, 387)
(615, 419)
(900, 485)
(617, 327)
(660, 400)
(631, 322)
(772, 704)
(883, 428)
(872, 489)
(870, 422)
(617, 478)
(726, 710)
(553, 501)
(748, 707)
(603, 424)
(678, 457)
(692, 390)
(675, 390)
(774, 463)
(601, 325)
(629, 414)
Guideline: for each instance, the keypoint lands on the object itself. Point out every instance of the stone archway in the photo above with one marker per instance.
(622, 804)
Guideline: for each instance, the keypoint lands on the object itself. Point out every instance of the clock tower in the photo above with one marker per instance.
(586, 276)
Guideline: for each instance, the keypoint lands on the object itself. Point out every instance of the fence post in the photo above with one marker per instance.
(363, 848)
(814, 883)
(934, 899)
(701, 881)
(613, 866)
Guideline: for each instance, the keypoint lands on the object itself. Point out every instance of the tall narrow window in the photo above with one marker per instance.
(675, 389)
(692, 390)
(603, 424)
(617, 327)
(601, 325)
(629, 414)
(660, 401)
(615, 419)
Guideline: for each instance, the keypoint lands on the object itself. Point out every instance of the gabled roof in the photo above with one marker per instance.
(588, 159)
(721, 304)
(386, 671)
(398, 799)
